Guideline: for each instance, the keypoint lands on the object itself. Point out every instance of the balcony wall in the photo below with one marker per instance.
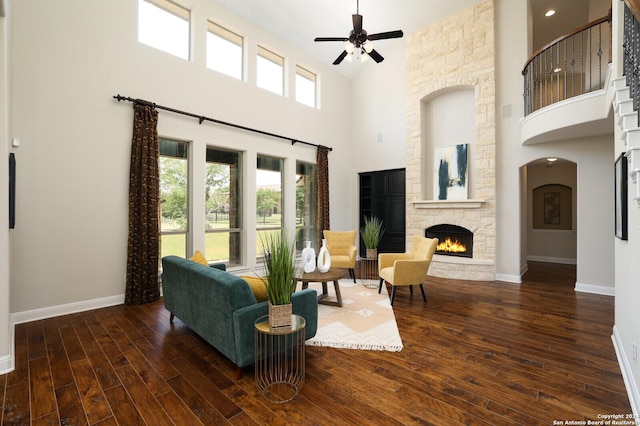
(590, 114)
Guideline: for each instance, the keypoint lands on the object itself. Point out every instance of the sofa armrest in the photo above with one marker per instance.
(305, 304)
(220, 266)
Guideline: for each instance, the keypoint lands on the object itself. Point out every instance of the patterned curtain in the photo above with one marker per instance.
(143, 249)
(322, 200)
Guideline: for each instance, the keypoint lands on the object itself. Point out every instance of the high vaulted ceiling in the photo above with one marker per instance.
(300, 21)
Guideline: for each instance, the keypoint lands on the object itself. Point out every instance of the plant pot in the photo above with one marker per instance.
(372, 253)
(280, 315)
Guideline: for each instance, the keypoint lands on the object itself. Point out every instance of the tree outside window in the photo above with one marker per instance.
(174, 197)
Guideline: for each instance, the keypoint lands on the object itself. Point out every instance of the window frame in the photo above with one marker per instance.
(187, 231)
(267, 160)
(232, 37)
(311, 76)
(274, 58)
(175, 10)
(308, 231)
(239, 230)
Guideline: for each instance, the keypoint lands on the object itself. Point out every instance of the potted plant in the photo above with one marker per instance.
(371, 234)
(279, 277)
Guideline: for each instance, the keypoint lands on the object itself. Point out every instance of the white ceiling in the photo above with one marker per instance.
(299, 22)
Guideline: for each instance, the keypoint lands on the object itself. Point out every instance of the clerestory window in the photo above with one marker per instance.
(224, 50)
(306, 86)
(164, 25)
(270, 71)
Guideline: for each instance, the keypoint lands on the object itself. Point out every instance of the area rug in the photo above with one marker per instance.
(365, 321)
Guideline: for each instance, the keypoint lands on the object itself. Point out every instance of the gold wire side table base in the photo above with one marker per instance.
(369, 272)
(280, 359)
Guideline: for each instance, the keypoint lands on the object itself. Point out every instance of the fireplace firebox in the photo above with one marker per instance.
(454, 240)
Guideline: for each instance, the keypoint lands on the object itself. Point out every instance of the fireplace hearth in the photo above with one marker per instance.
(454, 240)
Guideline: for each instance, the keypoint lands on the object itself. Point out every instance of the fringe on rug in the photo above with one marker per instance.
(360, 346)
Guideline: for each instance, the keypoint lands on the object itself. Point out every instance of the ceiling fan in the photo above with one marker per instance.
(359, 42)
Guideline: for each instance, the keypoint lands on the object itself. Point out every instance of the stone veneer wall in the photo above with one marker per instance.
(456, 52)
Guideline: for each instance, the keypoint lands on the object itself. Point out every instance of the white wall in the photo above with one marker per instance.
(378, 115)
(627, 268)
(511, 51)
(70, 240)
(6, 362)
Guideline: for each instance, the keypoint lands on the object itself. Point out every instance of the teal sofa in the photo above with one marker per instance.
(221, 307)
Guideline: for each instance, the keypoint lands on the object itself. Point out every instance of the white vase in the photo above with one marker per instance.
(324, 258)
(308, 257)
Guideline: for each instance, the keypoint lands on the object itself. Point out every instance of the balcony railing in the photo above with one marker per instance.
(631, 51)
(572, 65)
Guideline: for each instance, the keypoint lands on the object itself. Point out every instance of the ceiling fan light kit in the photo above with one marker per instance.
(359, 43)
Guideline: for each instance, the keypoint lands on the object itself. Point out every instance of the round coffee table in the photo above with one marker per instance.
(333, 274)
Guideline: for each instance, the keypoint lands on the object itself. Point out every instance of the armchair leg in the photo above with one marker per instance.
(411, 290)
(424, 296)
(352, 273)
(380, 286)
(393, 293)
(171, 317)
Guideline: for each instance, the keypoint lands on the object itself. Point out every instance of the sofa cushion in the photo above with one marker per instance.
(198, 257)
(258, 287)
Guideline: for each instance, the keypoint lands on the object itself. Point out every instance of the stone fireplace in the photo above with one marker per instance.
(455, 54)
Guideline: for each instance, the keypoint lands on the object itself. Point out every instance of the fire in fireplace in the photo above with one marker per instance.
(454, 240)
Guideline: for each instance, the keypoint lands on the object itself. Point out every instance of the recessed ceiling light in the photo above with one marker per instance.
(550, 12)
(557, 70)
(552, 159)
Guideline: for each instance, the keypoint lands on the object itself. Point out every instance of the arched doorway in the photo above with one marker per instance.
(549, 197)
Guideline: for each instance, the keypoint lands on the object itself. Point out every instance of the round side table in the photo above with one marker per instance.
(280, 358)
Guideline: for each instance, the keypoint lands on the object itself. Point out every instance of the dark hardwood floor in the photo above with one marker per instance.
(478, 353)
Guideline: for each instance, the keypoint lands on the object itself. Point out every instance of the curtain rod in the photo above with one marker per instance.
(202, 118)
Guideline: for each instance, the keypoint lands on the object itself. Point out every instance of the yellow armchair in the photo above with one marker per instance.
(342, 249)
(407, 269)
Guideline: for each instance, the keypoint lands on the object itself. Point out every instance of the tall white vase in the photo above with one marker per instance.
(324, 258)
(308, 257)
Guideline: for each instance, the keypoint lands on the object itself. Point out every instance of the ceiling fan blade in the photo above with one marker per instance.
(386, 35)
(357, 23)
(340, 58)
(376, 56)
(331, 39)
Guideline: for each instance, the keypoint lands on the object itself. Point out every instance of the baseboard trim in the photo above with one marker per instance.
(595, 289)
(627, 373)
(69, 308)
(548, 259)
(515, 279)
(6, 364)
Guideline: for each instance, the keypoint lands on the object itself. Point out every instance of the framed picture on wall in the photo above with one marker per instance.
(621, 196)
(450, 172)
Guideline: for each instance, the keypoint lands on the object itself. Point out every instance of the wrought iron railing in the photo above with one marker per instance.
(572, 65)
(631, 52)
